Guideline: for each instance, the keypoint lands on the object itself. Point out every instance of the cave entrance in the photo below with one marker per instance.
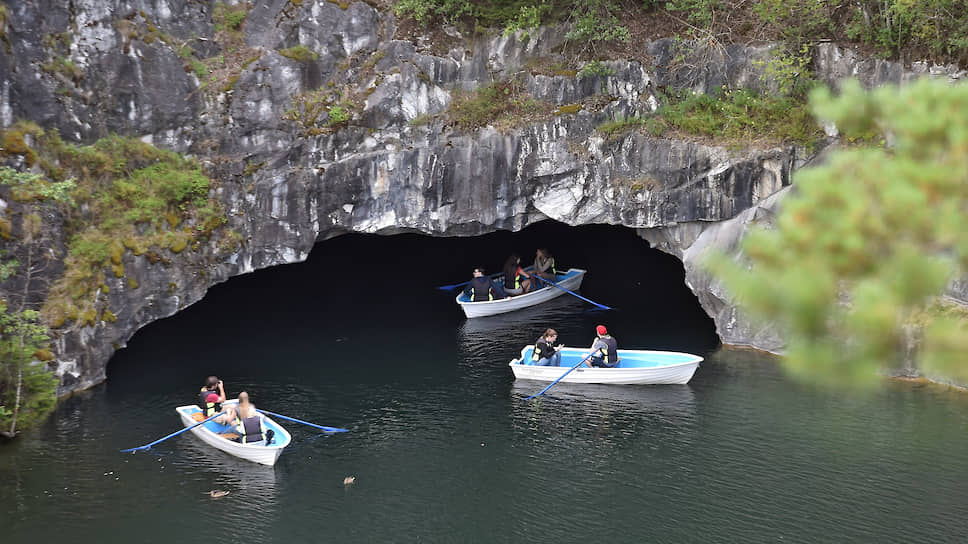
(356, 293)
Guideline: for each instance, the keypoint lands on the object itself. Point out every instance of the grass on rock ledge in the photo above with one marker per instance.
(127, 196)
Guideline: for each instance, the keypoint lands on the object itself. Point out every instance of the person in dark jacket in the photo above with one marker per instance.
(482, 288)
(210, 399)
(604, 349)
(545, 351)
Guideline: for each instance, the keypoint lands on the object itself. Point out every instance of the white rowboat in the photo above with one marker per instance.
(257, 452)
(570, 280)
(635, 367)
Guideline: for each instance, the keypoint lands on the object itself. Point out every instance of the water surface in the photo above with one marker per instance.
(442, 445)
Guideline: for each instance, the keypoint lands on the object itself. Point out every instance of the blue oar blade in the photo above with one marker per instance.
(176, 433)
(562, 376)
(294, 420)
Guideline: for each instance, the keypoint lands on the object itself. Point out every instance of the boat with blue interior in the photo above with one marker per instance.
(634, 367)
(223, 437)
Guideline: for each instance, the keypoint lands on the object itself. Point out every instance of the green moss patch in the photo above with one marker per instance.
(740, 117)
(299, 53)
(504, 104)
(124, 195)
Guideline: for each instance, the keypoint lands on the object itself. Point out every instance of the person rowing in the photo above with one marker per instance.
(250, 424)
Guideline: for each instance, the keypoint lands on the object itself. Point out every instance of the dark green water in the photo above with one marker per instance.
(442, 446)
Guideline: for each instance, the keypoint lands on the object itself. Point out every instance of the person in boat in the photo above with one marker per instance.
(544, 265)
(516, 280)
(604, 350)
(250, 425)
(210, 400)
(482, 288)
(545, 351)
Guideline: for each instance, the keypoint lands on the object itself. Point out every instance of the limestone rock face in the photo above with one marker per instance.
(290, 173)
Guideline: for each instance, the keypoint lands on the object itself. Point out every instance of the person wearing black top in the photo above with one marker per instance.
(545, 351)
(604, 350)
(483, 288)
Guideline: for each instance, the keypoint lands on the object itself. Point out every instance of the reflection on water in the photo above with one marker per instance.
(445, 449)
(648, 400)
(483, 336)
(228, 472)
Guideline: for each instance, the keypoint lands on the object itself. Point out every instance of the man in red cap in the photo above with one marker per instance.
(604, 349)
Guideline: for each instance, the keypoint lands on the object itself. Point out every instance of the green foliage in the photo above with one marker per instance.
(503, 103)
(617, 127)
(868, 241)
(424, 11)
(118, 189)
(936, 27)
(299, 53)
(64, 67)
(698, 13)
(229, 18)
(31, 186)
(337, 115)
(595, 68)
(790, 72)
(527, 19)
(741, 115)
(421, 120)
(596, 21)
(7, 267)
(199, 68)
(796, 22)
(26, 386)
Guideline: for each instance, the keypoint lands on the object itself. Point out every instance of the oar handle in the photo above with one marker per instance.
(554, 284)
(562, 376)
(176, 433)
(287, 418)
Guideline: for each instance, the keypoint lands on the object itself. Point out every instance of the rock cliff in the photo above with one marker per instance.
(257, 102)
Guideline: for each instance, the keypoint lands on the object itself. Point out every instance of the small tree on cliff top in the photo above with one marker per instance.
(865, 245)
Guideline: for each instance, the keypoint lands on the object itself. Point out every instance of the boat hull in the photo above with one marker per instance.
(636, 367)
(257, 453)
(570, 280)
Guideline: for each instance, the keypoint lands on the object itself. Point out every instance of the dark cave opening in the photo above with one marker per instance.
(384, 289)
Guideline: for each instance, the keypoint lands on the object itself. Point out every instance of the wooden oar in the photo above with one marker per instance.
(562, 376)
(553, 284)
(327, 429)
(148, 446)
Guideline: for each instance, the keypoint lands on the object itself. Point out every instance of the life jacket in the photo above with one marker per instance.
(481, 289)
(511, 279)
(251, 429)
(610, 352)
(549, 266)
(541, 350)
(208, 408)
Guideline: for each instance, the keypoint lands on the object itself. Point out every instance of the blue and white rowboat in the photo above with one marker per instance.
(635, 367)
(570, 280)
(257, 452)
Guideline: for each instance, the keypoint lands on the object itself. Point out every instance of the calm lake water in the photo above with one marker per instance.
(441, 443)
